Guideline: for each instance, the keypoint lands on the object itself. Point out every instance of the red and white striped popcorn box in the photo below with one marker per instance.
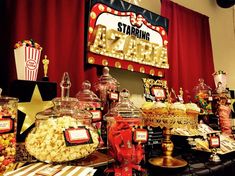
(27, 61)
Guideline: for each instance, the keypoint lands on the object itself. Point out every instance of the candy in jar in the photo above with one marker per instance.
(63, 133)
(8, 125)
(203, 97)
(126, 135)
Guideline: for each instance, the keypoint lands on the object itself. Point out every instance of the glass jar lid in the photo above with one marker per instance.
(202, 87)
(125, 107)
(108, 80)
(86, 94)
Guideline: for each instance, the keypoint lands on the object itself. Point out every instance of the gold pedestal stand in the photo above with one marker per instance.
(167, 123)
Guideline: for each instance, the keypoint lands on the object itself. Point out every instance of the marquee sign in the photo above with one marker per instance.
(125, 36)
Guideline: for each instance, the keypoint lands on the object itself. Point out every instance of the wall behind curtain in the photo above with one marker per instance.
(189, 48)
(58, 26)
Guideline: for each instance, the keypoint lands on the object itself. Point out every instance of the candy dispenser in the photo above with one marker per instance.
(63, 133)
(88, 100)
(8, 125)
(126, 135)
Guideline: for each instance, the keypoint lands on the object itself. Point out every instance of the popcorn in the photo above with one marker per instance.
(30, 43)
(47, 142)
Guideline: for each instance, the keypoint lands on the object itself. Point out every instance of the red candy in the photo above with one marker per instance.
(8, 114)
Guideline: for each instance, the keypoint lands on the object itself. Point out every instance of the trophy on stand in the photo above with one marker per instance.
(45, 62)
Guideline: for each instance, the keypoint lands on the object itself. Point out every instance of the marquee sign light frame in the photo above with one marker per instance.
(125, 36)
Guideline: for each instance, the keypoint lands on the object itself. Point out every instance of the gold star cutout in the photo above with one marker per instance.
(31, 108)
(231, 105)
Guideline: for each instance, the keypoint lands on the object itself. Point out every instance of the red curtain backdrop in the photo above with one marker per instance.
(59, 26)
(189, 47)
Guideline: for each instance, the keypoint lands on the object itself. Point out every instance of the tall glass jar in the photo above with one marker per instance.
(8, 126)
(63, 133)
(88, 100)
(125, 109)
(203, 97)
(126, 134)
(106, 87)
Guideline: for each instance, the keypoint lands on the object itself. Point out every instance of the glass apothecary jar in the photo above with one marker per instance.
(8, 126)
(203, 97)
(106, 88)
(126, 109)
(63, 133)
(88, 100)
(126, 133)
(124, 112)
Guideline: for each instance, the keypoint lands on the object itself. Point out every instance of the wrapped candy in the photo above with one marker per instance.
(124, 137)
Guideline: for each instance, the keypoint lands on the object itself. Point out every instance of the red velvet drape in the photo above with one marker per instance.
(189, 48)
(58, 26)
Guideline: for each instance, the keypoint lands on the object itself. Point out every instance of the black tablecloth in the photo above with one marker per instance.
(198, 165)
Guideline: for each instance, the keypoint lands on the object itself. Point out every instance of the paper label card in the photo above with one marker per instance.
(96, 115)
(214, 141)
(6, 125)
(114, 96)
(158, 92)
(48, 171)
(77, 136)
(141, 135)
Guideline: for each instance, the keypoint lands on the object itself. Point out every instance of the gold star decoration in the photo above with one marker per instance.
(231, 105)
(31, 108)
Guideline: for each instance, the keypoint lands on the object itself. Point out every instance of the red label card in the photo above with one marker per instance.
(96, 115)
(6, 125)
(76, 136)
(214, 141)
(141, 135)
(158, 92)
(113, 96)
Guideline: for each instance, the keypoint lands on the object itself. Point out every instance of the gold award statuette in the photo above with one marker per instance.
(45, 62)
